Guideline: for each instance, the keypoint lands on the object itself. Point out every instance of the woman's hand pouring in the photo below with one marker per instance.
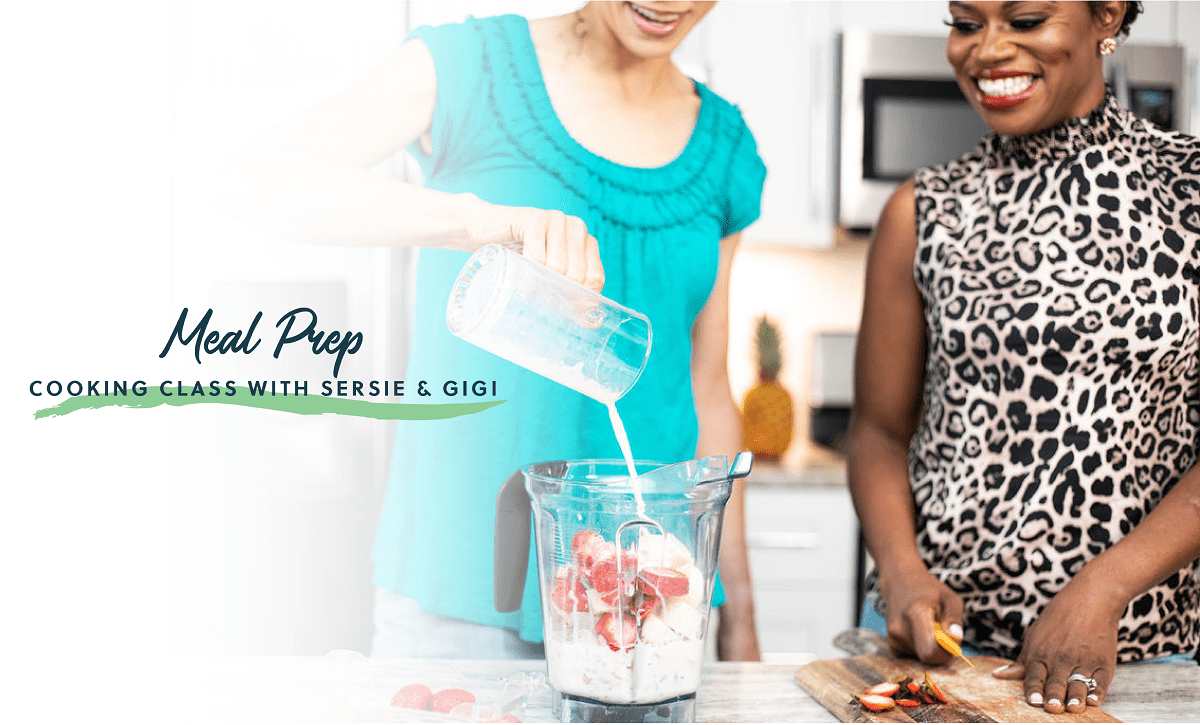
(559, 241)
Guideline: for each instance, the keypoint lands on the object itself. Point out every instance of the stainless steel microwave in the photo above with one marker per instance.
(899, 109)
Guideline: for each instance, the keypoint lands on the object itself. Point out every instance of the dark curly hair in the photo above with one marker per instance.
(1132, 11)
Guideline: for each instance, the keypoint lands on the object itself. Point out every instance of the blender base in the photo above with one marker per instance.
(572, 708)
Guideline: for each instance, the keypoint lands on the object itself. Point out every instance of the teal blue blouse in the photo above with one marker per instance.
(495, 135)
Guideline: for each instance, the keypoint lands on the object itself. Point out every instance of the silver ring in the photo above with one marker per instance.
(1091, 684)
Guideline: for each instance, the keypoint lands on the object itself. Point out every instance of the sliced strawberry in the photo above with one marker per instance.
(446, 700)
(605, 576)
(876, 702)
(588, 547)
(414, 697)
(934, 690)
(666, 582)
(908, 702)
(887, 689)
(465, 710)
(618, 634)
(645, 603)
(569, 594)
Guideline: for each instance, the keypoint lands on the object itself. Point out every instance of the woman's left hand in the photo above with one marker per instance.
(1075, 634)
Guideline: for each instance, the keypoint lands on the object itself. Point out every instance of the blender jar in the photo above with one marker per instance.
(626, 568)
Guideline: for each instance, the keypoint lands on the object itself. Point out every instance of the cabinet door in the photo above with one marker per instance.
(775, 61)
(801, 544)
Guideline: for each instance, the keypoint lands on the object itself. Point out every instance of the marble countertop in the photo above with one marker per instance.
(811, 471)
(346, 687)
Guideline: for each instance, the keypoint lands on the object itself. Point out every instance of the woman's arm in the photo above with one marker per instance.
(888, 378)
(309, 179)
(721, 434)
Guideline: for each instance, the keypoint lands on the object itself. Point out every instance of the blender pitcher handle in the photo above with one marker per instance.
(742, 463)
(510, 553)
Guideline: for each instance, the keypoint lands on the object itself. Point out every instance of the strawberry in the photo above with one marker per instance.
(446, 700)
(875, 702)
(666, 582)
(605, 576)
(465, 710)
(887, 689)
(617, 635)
(414, 697)
(644, 604)
(908, 702)
(934, 689)
(588, 547)
(569, 594)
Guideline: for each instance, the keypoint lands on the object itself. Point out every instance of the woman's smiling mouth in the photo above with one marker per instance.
(652, 21)
(1006, 91)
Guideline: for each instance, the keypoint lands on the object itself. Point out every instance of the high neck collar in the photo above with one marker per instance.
(1106, 122)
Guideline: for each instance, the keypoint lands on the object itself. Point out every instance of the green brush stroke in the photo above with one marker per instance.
(298, 404)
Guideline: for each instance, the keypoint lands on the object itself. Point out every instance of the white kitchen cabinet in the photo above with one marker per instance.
(774, 60)
(801, 541)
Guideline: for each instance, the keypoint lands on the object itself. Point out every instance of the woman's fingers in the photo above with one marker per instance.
(952, 615)
(1011, 671)
(1103, 677)
(575, 237)
(1054, 690)
(556, 242)
(1035, 683)
(1055, 687)
(531, 229)
(594, 278)
(923, 624)
(1075, 699)
(560, 242)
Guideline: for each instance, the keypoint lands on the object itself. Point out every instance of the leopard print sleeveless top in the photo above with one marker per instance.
(1059, 278)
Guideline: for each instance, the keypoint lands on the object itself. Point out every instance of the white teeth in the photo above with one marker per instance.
(1000, 87)
(654, 17)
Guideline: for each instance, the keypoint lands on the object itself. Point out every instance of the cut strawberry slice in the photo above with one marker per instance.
(414, 697)
(645, 603)
(446, 700)
(665, 582)
(876, 702)
(934, 689)
(569, 594)
(887, 689)
(588, 547)
(618, 634)
(605, 576)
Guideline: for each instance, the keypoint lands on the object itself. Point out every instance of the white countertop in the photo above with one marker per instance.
(328, 689)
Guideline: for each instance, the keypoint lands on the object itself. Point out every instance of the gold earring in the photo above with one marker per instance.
(1107, 46)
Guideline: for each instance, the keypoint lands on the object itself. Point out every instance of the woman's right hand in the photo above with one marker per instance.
(559, 241)
(914, 600)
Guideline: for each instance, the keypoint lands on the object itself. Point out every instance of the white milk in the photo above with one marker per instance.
(623, 441)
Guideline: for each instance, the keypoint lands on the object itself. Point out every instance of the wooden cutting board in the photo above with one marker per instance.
(974, 695)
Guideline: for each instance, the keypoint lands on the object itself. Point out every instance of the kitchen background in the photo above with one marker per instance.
(273, 519)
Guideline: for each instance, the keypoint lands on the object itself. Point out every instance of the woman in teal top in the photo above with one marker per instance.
(649, 177)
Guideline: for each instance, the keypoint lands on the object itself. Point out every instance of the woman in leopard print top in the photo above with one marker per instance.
(1028, 409)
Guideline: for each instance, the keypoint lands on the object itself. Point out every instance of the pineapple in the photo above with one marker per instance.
(767, 408)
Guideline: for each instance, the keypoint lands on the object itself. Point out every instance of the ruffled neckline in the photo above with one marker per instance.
(633, 197)
(1106, 122)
